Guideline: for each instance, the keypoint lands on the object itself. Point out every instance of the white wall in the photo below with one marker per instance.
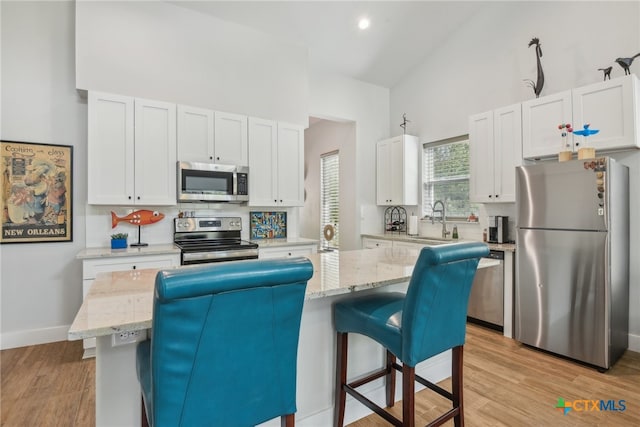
(165, 52)
(41, 282)
(336, 97)
(321, 138)
(482, 66)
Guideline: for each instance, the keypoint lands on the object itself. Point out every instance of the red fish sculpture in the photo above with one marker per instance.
(141, 217)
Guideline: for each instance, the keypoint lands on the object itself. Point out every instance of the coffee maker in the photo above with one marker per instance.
(498, 229)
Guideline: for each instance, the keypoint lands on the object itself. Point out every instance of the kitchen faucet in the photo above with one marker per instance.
(443, 217)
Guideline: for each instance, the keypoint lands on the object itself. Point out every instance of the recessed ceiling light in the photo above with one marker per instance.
(363, 24)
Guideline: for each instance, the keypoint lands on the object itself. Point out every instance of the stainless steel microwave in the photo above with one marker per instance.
(212, 182)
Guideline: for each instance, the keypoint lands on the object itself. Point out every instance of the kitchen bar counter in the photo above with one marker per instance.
(507, 247)
(121, 302)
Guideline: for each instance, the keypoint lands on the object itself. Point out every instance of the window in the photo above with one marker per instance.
(330, 200)
(446, 177)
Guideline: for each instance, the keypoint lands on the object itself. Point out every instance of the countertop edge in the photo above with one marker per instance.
(507, 247)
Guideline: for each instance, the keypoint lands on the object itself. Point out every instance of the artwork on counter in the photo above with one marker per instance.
(268, 225)
(36, 190)
(139, 218)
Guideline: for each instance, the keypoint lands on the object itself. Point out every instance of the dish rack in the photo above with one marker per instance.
(395, 220)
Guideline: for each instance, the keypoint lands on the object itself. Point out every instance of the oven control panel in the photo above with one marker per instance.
(208, 224)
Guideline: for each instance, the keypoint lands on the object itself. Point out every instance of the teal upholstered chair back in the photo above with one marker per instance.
(224, 342)
(435, 308)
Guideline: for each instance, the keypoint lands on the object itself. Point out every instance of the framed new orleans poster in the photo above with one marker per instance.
(36, 184)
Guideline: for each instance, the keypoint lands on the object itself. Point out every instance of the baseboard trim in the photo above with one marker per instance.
(634, 343)
(33, 337)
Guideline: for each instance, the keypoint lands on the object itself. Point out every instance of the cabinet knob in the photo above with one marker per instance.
(217, 158)
(280, 200)
(138, 197)
(490, 196)
(129, 197)
(210, 157)
(134, 267)
(289, 253)
(275, 201)
(497, 195)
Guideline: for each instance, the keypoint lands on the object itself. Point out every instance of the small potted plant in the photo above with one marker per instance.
(119, 240)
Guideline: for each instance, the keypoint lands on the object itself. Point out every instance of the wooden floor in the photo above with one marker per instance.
(506, 384)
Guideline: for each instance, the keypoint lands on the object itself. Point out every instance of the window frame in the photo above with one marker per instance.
(426, 206)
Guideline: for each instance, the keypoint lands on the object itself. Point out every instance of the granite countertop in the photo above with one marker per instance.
(510, 247)
(105, 252)
(287, 241)
(123, 300)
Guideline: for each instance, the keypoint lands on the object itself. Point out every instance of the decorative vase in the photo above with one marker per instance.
(118, 243)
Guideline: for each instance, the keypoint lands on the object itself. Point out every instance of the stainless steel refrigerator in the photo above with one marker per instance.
(572, 259)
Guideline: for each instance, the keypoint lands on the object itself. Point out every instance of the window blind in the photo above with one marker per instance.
(330, 200)
(445, 177)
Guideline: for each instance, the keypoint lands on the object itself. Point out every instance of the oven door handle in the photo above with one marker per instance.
(219, 255)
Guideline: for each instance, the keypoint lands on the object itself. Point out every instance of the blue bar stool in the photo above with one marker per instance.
(429, 319)
(224, 344)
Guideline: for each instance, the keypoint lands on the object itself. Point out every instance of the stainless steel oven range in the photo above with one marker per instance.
(211, 239)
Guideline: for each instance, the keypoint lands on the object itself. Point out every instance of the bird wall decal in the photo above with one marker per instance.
(625, 63)
(537, 86)
(607, 72)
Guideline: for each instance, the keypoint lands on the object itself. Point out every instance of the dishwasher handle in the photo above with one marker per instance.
(496, 255)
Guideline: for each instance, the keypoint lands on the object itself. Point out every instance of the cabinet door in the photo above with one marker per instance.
(110, 149)
(263, 146)
(481, 158)
(383, 173)
(396, 171)
(369, 243)
(285, 252)
(230, 139)
(155, 153)
(609, 107)
(507, 151)
(540, 120)
(195, 134)
(290, 165)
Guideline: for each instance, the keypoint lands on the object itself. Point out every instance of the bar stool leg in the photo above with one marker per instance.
(456, 385)
(288, 420)
(391, 379)
(408, 396)
(341, 378)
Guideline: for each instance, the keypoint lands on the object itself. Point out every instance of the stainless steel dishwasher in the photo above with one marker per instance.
(486, 302)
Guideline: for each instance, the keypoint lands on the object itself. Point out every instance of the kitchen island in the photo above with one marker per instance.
(121, 303)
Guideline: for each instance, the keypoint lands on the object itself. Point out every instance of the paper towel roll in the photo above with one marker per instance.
(412, 229)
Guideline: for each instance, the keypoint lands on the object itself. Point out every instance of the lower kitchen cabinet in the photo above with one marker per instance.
(92, 266)
(369, 243)
(286, 251)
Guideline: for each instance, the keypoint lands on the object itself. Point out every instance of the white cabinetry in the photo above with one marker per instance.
(495, 142)
(91, 267)
(397, 176)
(370, 243)
(131, 151)
(610, 106)
(286, 251)
(211, 136)
(231, 139)
(276, 161)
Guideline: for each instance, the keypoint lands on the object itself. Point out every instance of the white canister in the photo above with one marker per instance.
(412, 228)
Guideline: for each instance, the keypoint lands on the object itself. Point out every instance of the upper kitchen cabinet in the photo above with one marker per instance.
(195, 134)
(610, 106)
(495, 143)
(276, 162)
(231, 139)
(397, 175)
(208, 136)
(540, 120)
(131, 151)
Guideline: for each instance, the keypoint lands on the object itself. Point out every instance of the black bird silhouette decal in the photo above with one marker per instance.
(607, 72)
(625, 63)
(537, 86)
